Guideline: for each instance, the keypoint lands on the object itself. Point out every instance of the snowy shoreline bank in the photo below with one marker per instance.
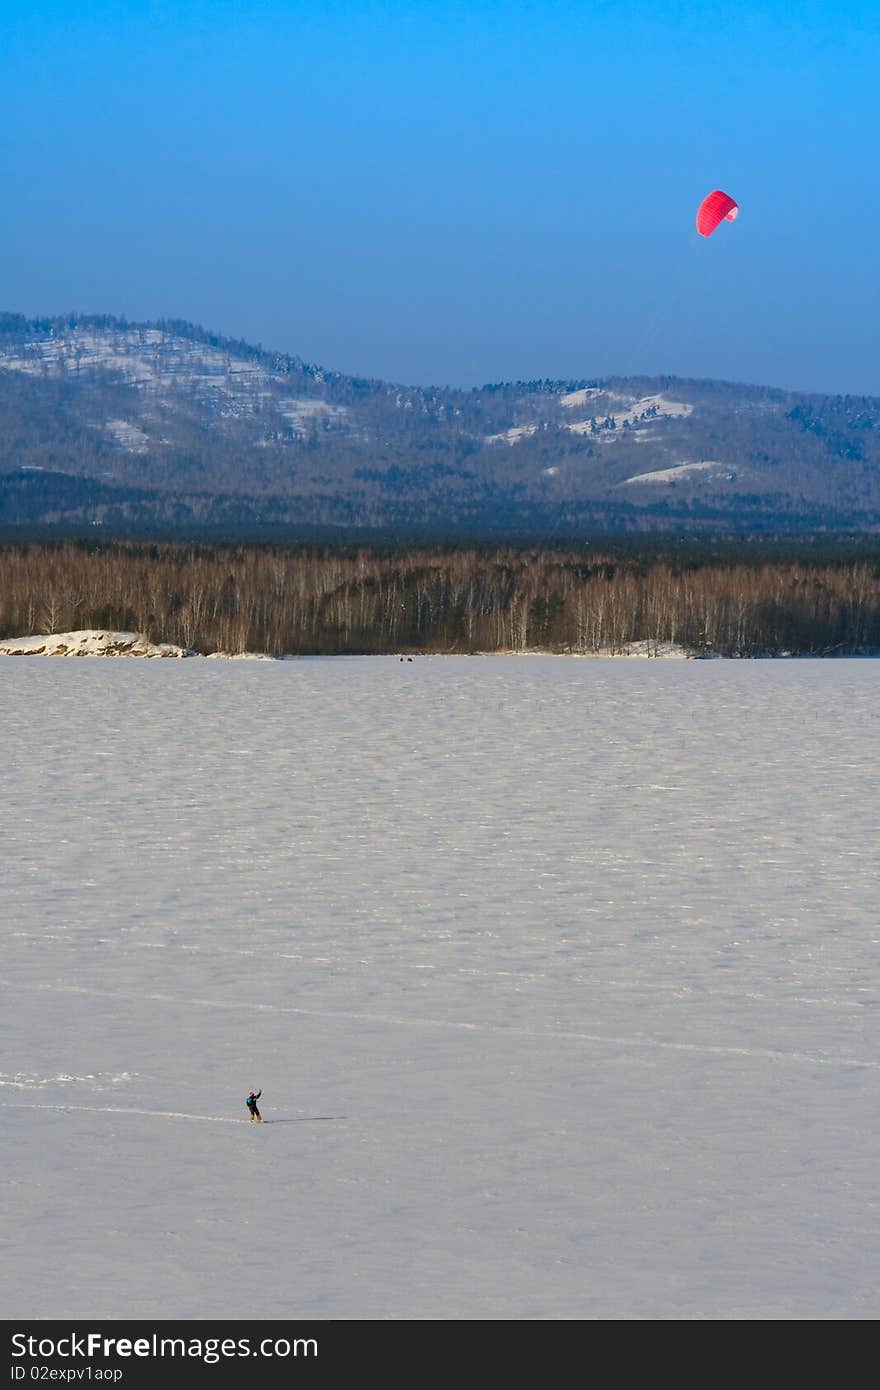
(97, 642)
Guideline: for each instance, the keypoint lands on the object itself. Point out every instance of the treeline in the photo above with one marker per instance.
(327, 600)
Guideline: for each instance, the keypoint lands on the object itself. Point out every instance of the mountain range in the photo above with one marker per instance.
(162, 427)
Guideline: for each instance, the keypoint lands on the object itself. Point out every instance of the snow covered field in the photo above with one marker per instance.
(560, 979)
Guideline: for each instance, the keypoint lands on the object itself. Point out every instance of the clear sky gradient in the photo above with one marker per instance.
(456, 193)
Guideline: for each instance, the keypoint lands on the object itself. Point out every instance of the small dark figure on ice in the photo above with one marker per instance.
(252, 1106)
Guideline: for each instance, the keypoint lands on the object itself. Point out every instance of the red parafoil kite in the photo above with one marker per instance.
(718, 207)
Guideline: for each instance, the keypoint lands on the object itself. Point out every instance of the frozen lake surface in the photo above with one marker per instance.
(560, 979)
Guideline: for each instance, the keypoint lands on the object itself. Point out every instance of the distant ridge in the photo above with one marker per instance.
(165, 426)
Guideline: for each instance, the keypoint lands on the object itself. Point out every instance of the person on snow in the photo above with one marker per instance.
(251, 1104)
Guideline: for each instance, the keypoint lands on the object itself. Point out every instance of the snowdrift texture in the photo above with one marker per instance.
(559, 978)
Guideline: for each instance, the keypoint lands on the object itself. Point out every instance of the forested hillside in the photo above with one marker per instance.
(152, 427)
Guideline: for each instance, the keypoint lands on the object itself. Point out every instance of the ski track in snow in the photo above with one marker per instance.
(163, 1114)
(588, 952)
(124, 1110)
(346, 963)
(563, 1035)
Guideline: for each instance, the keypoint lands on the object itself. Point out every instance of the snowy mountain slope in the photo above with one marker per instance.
(102, 421)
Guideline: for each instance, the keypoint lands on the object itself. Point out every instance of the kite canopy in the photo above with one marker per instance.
(716, 208)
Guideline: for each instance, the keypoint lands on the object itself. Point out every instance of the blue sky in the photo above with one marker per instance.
(456, 192)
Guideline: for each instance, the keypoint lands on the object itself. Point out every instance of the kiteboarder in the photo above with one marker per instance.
(252, 1106)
